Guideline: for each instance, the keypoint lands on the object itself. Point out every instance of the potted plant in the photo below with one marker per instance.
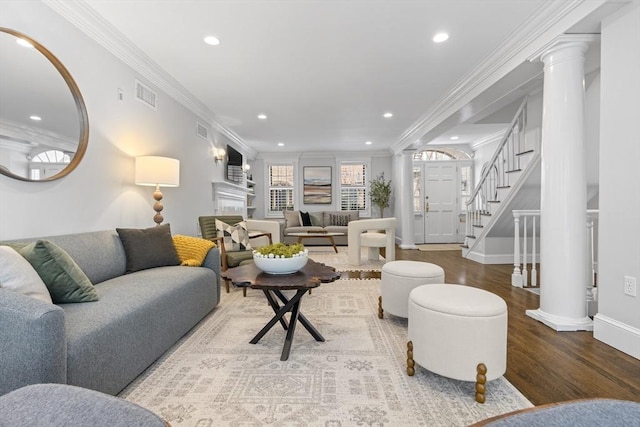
(380, 192)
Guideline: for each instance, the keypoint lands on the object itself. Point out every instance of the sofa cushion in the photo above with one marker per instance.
(139, 317)
(292, 218)
(234, 237)
(148, 247)
(19, 276)
(66, 282)
(353, 215)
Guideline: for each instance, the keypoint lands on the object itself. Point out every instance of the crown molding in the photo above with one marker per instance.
(85, 18)
(549, 21)
(561, 41)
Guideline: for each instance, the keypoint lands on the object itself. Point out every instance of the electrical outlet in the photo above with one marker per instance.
(630, 286)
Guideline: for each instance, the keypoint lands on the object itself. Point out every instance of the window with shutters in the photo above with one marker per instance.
(280, 188)
(354, 193)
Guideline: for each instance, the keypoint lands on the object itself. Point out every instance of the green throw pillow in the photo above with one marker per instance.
(59, 272)
(148, 247)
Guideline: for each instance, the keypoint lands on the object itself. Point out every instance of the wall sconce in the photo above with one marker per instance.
(158, 171)
(218, 154)
(246, 168)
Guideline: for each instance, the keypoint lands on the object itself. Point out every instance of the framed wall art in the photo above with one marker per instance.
(317, 185)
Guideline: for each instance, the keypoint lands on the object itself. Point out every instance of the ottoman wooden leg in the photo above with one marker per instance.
(410, 362)
(481, 380)
(244, 291)
(380, 310)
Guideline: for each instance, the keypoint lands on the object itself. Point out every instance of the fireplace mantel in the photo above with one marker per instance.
(230, 199)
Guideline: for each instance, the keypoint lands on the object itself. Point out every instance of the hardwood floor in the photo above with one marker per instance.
(545, 365)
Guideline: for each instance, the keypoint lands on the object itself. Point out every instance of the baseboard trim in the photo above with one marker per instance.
(617, 334)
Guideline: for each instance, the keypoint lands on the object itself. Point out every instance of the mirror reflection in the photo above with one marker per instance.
(43, 119)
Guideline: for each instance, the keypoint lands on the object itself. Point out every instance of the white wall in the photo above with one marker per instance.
(100, 193)
(379, 162)
(618, 320)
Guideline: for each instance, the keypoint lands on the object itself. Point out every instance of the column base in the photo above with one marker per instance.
(561, 324)
(403, 246)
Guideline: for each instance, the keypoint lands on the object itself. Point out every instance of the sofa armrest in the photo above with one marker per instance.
(33, 345)
(212, 262)
(265, 226)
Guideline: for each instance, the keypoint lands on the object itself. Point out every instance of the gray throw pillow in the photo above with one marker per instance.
(148, 247)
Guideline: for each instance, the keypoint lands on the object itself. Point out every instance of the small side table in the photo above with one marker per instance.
(309, 277)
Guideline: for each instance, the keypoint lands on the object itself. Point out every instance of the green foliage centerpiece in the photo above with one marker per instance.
(280, 258)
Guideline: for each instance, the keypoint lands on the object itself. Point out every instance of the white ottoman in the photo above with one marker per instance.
(399, 278)
(459, 332)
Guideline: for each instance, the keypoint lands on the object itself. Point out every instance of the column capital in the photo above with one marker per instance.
(562, 41)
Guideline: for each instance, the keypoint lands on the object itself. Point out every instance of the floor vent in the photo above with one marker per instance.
(202, 131)
(145, 94)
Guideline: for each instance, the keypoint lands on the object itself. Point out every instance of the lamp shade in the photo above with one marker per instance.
(157, 171)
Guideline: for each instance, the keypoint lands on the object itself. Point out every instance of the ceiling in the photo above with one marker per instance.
(323, 72)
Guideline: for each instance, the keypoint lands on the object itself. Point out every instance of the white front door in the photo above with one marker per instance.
(439, 212)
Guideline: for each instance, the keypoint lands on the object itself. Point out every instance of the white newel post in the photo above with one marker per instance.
(563, 197)
(516, 276)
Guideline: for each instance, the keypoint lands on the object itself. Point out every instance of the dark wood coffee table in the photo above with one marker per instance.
(311, 276)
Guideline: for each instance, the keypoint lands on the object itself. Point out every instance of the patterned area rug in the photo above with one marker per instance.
(214, 377)
(340, 260)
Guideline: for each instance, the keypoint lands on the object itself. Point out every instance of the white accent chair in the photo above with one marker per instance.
(373, 234)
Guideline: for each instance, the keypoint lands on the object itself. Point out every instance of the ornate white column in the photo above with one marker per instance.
(563, 199)
(406, 200)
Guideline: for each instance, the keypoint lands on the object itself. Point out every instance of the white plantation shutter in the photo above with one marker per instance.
(353, 186)
(281, 187)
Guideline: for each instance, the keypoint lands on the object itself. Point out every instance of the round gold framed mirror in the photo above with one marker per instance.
(44, 127)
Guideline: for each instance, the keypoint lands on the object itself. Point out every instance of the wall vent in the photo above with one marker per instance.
(202, 131)
(145, 94)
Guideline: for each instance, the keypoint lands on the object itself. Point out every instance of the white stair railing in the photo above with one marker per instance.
(504, 162)
(522, 275)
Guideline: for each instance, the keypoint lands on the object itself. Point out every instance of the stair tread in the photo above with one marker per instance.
(478, 226)
(503, 186)
(493, 201)
(524, 152)
(470, 236)
(514, 170)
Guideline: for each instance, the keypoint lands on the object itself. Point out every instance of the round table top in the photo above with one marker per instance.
(310, 276)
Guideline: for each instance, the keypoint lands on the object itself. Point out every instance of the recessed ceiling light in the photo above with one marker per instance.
(453, 138)
(212, 40)
(280, 144)
(440, 37)
(35, 118)
(368, 142)
(387, 115)
(262, 116)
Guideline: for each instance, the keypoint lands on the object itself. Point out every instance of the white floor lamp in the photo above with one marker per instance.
(157, 171)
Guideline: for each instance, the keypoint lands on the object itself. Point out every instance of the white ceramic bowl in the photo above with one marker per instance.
(280, 265)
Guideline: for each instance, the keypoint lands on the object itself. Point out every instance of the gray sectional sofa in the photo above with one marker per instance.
(329, 221)
(103, 345)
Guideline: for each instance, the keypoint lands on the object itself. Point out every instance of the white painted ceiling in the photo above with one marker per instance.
(323, 72)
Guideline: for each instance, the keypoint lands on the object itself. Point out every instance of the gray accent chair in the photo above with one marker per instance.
(70, 406)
